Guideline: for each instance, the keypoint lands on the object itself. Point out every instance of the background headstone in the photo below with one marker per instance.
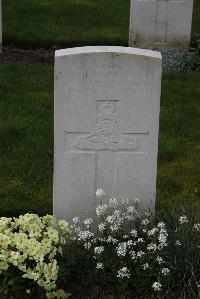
(157, 23)
(107, 102)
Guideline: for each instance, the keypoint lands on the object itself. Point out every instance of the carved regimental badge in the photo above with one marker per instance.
(107, 135)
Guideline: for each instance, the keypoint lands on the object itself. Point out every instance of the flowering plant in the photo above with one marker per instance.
(121, 249)
(127, 236)
(126, 244)
(29, 248)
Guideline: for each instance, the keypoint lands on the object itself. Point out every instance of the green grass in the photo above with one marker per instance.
(26, 137)
(66, 23)
(196, 17)
(108, 297)
(62, 23)
(179, 146)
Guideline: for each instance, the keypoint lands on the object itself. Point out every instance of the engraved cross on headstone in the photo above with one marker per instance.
(106, 141)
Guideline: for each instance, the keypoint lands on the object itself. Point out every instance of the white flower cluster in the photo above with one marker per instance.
(196, 227)
(122, 231)
(123, 273)
(101, 210)
(98, 250)
(183, 219)
(126, 235)
(99, 266)
(32, 244)
(121, 249)
(100, 193)
(157, 286)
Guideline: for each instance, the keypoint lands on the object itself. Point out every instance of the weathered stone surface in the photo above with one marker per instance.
(157, 23)
(107, 102)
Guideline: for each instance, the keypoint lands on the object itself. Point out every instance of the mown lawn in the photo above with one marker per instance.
(66, 23)
(26, 138)
(196, 17)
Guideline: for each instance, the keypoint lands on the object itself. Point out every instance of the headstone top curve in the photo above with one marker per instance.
(108, 49)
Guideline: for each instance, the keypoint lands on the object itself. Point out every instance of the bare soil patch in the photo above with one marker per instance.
(26, 56)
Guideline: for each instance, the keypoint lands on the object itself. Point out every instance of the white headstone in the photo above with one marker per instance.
(107, 102)
(157, 23)
(0, 25)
